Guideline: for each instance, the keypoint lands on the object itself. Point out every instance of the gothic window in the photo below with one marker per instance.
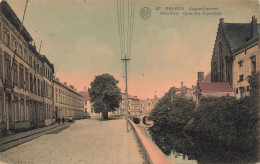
(253, 64)
(215, 71)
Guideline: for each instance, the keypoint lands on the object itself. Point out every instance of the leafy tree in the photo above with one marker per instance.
(224, 129)
(170, 116)
(105, 94)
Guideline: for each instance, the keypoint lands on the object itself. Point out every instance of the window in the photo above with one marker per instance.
(241, 90)
(26, 80)
(20, 51)
(30, 60)
(6, 37)
(26, 55)
(31, 83)
(13, 43)
(15, 75)
(240, 71)
(39, 87)
(21, 76)
(253, 64)
(7, 67)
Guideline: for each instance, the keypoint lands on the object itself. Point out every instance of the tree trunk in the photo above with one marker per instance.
(105, 115)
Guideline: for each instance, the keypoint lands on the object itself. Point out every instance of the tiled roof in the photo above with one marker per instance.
(183, 88)
(238, 33)
(216, 87)
(133, 97)
(85, 94)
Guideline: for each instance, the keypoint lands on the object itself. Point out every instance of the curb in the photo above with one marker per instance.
(13, 142)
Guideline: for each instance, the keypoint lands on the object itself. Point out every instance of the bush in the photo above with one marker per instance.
(225, 129)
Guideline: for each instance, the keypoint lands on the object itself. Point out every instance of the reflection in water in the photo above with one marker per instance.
(180, 158)
(183, 149)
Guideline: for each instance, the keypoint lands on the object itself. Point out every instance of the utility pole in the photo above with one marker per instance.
(126, 91)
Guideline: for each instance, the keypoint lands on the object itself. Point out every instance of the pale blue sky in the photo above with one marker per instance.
(81, 39)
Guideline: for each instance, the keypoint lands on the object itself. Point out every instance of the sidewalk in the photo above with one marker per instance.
(19, 138)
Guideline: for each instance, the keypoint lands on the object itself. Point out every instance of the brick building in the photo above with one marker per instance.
(236, 55)
(26, 93)
(230, 37)
(68, 102)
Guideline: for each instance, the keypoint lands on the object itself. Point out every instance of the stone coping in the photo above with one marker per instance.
(151, 152)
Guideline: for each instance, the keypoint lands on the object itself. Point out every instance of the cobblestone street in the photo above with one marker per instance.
(85, 141)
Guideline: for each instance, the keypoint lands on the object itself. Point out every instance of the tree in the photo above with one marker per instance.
(170, 116)
(104, 94)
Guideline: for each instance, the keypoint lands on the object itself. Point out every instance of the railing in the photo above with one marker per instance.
(152, 153)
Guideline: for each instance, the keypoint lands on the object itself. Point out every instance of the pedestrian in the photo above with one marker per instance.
(63, 120)
(59, 120)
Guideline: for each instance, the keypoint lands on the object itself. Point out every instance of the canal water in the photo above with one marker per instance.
(180, 159)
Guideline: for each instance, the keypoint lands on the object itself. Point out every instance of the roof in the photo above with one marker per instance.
(14, 20)
(85, 94)
(131, 97)
(216, 87)
(238, 33)
(183, 88)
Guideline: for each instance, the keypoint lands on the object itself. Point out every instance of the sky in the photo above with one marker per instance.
(81, 38)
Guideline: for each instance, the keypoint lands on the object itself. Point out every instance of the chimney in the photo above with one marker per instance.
(65, 83)
(200, 76)
(181, 84)
(253, 25)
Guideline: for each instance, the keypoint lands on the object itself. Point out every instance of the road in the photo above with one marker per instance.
(86, 141)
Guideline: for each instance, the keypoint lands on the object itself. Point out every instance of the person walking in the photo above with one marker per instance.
(63, 120)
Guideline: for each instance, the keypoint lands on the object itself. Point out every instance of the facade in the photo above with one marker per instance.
(186, 92)
(68, 102)
(148, 105)
(26, 93)
(246, 63)
(134, 105)
(230, 37)
(88, 109)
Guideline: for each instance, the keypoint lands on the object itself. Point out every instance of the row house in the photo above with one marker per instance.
(68, 102)
(148, 105)
(134, 105)
(26, 77)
